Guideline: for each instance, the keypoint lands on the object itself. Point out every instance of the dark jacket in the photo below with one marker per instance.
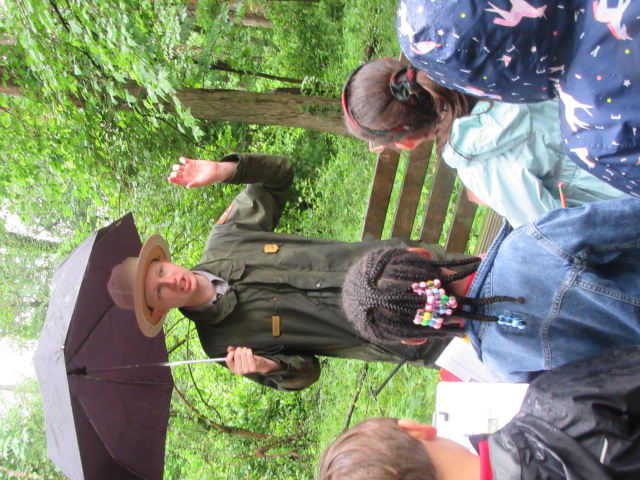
(288, 280)
(580, 421)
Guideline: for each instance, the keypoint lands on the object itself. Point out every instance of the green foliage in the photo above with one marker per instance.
(330, 201)
(24, 302)
(91, 49)
(22, 436)
(307, 53)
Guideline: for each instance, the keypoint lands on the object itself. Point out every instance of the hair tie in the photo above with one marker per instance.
(437, 304)
(406, 90)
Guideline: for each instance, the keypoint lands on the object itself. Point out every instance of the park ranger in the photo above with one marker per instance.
(267, 301)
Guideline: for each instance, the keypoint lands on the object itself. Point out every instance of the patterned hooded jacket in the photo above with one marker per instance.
(587, 53)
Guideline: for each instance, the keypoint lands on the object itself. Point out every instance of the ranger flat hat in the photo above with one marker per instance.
(126, 284)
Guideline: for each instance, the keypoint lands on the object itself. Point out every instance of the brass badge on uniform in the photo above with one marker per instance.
(225, 215)
(270, 248)
(275, 325)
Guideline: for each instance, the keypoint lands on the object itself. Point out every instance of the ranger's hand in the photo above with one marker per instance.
(200, 173)
(242, 361)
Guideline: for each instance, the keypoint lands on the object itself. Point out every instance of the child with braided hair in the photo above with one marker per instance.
(548, 293)
(511, 156)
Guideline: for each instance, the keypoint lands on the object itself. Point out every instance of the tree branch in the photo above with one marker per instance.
(356, 394)
(209, 424)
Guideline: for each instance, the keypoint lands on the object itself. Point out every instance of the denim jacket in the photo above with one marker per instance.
(578, 271)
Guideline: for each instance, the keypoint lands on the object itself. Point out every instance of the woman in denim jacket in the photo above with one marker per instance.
(557, 290)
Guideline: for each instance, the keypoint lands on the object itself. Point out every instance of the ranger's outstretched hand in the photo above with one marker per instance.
(200, 173)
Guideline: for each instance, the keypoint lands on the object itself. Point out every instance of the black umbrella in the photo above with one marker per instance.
(101, 422)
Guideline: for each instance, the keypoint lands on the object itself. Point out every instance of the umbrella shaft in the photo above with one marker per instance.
(84, 371)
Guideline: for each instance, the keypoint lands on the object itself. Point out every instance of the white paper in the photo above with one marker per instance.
(460, 359)
(473, 408)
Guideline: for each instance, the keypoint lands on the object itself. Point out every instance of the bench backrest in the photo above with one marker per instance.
(442, 193)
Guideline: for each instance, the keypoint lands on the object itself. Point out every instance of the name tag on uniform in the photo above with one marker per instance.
(275, 325)
(270, 248)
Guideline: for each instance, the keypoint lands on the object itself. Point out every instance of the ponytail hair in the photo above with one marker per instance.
(380, 302)
(375, 112)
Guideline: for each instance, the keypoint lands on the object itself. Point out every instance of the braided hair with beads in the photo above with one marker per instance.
(379, 300)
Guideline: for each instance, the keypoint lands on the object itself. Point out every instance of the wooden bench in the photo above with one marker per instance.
(439, 182)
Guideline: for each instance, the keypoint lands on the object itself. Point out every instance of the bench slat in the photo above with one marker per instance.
(438, 203)
(458, 236)
(383, 177)
(491, 225)
(440, 197)
(415, 173)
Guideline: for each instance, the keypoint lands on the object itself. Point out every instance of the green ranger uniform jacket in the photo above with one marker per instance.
(284, 290)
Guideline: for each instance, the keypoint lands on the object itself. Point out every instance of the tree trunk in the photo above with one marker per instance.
(15, 473)
(10, 88)
(7, 39)
(254, 16)
(297, 111)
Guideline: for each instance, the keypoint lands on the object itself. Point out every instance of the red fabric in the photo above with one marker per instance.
(447, 376)
(468, 286)
(486, 473)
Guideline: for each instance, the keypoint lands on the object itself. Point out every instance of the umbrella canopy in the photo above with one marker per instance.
(101, 422)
